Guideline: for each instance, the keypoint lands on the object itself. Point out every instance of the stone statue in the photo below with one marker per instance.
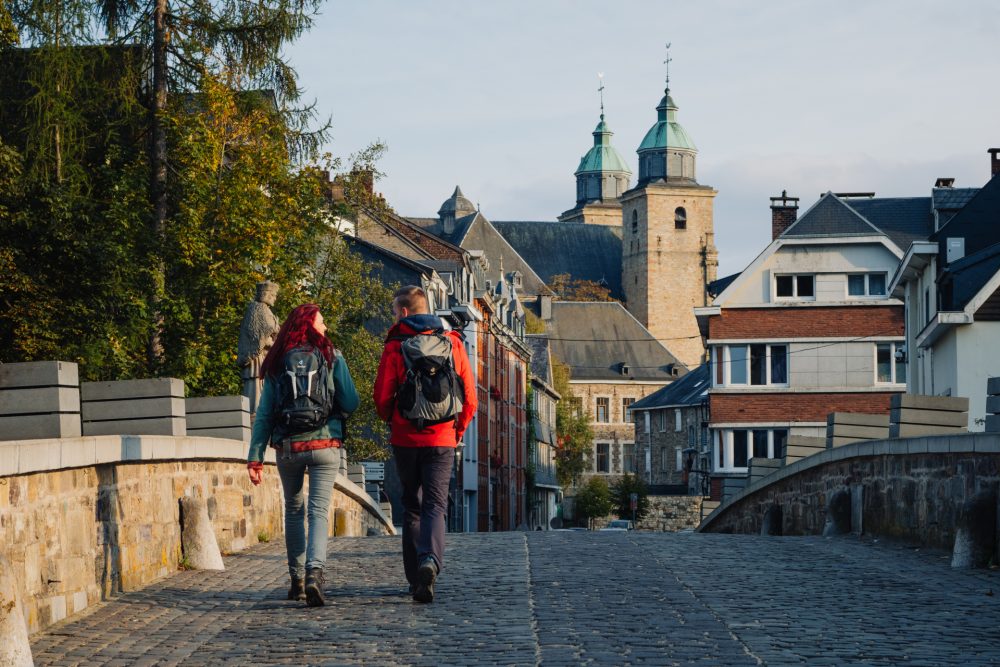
(257, 334)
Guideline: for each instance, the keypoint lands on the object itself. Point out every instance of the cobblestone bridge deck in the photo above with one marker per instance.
(561, 598)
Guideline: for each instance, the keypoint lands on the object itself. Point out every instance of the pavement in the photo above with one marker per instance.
(560, 598)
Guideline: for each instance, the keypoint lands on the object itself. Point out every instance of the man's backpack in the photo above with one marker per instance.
(305, 394)
(432, 392)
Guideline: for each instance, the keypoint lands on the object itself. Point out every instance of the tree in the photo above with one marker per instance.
(575, 435)
(568, 289)
(621, 496)
(593, 500)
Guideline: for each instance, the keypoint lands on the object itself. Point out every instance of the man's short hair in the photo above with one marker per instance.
(412, 298)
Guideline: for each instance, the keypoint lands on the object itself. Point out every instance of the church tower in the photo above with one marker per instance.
(601, 179)
(668, 246)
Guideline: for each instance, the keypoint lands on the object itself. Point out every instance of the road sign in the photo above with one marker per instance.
(633, 500)
(374, 471)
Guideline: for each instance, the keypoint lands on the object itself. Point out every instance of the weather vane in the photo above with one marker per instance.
(667, 63)
(600, 91)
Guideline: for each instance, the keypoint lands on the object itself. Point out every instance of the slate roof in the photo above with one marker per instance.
(483, 235)
(688, 390)
(586, 252)
(594, 338)
(976, 222)
(903, 219)
(391, 269)
(831, 216)
(716, 287)
(965, 278)
(541, 367)
(952, 199)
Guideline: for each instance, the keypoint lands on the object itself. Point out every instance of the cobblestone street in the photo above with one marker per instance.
(560, 598)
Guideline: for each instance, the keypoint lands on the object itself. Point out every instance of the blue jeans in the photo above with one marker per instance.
(323, 466)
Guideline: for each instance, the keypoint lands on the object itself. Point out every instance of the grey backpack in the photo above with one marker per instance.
(432, 391)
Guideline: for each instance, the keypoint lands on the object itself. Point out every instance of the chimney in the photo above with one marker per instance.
(784, 212)
(994, 161)
(944, 183)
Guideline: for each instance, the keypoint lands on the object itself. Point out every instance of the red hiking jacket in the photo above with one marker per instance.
(391, 374)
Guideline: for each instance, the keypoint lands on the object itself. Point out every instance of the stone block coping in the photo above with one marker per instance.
(959, 443)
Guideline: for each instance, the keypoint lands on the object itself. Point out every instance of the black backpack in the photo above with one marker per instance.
(432, 392)
(304, 393)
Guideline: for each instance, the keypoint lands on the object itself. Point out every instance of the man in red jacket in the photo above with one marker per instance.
(425, 454)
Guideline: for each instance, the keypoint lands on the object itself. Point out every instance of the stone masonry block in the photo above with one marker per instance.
(139, 408)
(39, 400)
(231, 433)
(217, 404)
(39, 374)
(130, 389)
(914, 430)
(930, 417)
(993, 386)
(78, 452)
(38, 456)
(944, 403)
(857, 419)
(36, 427)
(202, 420)
(840, 441)
(865, 432)
(158, 426)
(9, 457)
(993, 423)
(986, 443)
(993, 404)
(807, 441)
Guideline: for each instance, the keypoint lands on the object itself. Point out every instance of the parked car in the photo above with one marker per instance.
(618, 525)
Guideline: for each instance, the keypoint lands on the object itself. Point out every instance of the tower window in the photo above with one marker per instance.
(680, 218)
(635, 222)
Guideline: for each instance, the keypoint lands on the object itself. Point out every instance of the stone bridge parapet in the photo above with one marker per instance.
(83, 519)
(915, 489)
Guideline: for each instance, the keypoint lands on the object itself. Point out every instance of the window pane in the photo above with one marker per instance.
(780, 438)
(883, 362)
(737, 364)
(805, 285)
(784, 286)
(603, 403)
(717, 359)
(760, 444)
(603, 460)
(758, 364)
(779, 364)
(856, 285)
(664, 461)
(628, 458)
(876, 284)
(900, 367)
(739, 449)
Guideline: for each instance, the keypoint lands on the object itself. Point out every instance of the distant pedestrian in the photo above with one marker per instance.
(426, 391)
(308, 393)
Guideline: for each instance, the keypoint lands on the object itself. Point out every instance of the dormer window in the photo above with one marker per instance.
(680, 218)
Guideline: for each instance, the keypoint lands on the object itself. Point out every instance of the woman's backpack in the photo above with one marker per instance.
(304, 392)
(432, 391)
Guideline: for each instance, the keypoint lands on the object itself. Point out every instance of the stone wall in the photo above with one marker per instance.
(77, 530)
(672, 513)
(616, 431)
(912, 489)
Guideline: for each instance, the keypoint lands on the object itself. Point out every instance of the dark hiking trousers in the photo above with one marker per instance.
(425, 473)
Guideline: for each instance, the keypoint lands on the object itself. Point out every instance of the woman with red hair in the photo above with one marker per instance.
(315, 448)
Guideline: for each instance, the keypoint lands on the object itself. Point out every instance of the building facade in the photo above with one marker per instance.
(544, 492)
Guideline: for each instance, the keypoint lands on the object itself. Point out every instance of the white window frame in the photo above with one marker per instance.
(795, 287)
(646, 415)
(678, 459)
(626, 416)
(597, 413)
(635, 458)
(678, 420)
(664, 460)
(724, 438)
(727, 370)
(597, 444)
(663, 420)
(894, 346)
(867, 291)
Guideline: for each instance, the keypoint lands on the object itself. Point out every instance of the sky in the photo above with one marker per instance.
(500, 97)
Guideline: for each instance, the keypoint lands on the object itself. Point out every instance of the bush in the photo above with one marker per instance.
(593, 499)
(621, 492)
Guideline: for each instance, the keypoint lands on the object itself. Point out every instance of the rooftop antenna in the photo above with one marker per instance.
(600, 91)
(667, 63)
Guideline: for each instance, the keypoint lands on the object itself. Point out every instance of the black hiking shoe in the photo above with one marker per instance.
(426, 575)
(297, 591)
(314, 587)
